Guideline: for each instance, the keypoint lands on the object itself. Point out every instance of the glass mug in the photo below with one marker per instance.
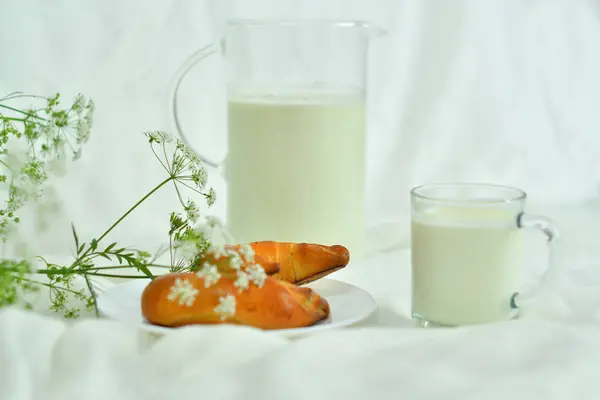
(467, 253)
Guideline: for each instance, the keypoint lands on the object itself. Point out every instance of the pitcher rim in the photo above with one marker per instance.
(339, 23)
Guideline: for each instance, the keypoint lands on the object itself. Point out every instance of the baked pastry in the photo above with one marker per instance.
(231, 287)
(299, 263)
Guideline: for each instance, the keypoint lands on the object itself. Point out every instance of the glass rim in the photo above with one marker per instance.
(374, 30)
(518, 194)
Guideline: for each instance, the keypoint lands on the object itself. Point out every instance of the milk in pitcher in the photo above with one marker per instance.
(466, 264)
(295, 168)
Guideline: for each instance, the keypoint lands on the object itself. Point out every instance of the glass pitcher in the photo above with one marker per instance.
(296, 118)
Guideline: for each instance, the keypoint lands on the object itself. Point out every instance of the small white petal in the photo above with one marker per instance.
(227, 307)
(257, 274)
(248, 252)
(235, 261)
(210, 274)
(183, 292)
(218, 252)
(242, 282)
(188, 251)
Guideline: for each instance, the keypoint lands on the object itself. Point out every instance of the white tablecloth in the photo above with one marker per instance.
(552, 352)
(495, 91)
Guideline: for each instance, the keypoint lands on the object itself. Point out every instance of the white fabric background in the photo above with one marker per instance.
(502, 91)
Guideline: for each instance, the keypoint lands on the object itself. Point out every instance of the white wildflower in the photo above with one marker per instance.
(218, 252)
(83, 128)
(211, 197)
(78, 104)
(191, 211)
(235, 261)
(199, 177)
(248, 252)
(188, 251)
(49, 130)
(159, 137)
(226, 307)
(242, 282)
(191, 155)
(210, 273)
(183, 291)
(257, 274)
(91, 108)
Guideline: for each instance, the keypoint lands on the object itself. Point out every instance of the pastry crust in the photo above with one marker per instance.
(274, 305)
(299, 263)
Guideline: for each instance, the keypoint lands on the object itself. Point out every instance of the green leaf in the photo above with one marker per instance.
(110, 246)
(143, 268)
(75, 236)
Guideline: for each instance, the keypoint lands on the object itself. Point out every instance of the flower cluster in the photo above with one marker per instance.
(50, 132)
(237, 259)
(227, 307)
(185, 170)
(209, 273)
(183, 292)
(36, 142)
(182, 162)
(247, 272)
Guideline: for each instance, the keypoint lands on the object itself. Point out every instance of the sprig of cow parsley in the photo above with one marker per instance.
(51, 133)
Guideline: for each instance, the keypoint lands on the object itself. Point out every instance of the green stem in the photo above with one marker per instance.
(12, 119)
(129, 266)
(171, 249)
(13, 94)
(167, 158)
(18, 95)
(150, 193)
(6, 165)
(159, 160)
(48, 285)
(179, 194)
(58, 271)
(19, 111)
(117, 222)
(186, 165)
(93, 293)
(192, 188)
(116, 276)
(69, 271)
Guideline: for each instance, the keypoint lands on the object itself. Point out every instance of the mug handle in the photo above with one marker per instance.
(181, 73)
(547, 227)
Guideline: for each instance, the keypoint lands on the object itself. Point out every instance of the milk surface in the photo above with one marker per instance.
(466, 264)
(296, 169)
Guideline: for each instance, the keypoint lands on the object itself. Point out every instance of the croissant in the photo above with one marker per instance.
(230, 287)
(299, 263)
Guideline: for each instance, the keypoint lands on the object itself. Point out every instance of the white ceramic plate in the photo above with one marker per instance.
(348, 304)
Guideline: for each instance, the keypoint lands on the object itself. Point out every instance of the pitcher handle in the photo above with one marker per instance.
(181, 73)
(547, 227)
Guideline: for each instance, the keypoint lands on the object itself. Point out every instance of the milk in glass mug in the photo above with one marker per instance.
(467, 253)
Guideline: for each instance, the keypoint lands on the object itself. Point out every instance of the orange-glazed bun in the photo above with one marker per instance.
(178, 299)
(229, 285)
